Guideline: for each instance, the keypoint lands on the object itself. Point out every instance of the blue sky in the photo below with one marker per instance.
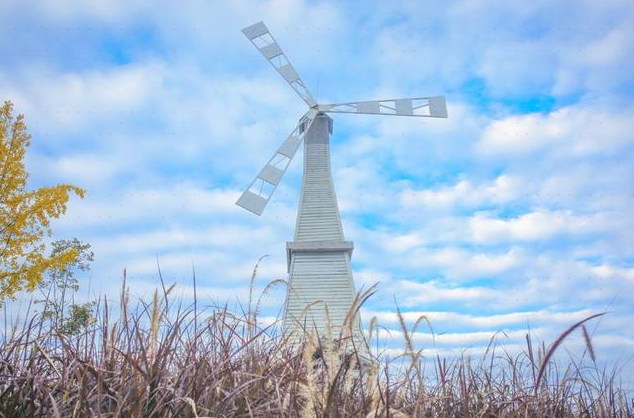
(514, 211)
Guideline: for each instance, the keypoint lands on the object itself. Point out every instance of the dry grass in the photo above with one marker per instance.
(166, 360)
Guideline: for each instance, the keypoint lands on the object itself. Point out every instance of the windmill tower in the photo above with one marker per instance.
(321, 287)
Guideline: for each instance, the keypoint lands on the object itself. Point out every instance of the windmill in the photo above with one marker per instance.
(321, 288)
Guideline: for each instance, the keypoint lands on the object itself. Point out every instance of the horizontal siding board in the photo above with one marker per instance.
(318, 275)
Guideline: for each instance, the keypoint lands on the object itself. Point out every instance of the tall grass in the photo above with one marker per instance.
(164, 359)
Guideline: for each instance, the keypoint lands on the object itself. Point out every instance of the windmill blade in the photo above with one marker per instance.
(260, 36)
(257, 195)
(430, 107)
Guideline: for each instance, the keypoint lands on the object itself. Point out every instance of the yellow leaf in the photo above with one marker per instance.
(25, 216)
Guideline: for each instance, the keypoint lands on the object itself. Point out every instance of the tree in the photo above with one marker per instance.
(59, 287)
(25, 215)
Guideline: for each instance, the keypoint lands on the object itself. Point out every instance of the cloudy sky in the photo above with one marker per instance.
(515, 211)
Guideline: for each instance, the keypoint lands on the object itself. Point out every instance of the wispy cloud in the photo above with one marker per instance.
(514, 210)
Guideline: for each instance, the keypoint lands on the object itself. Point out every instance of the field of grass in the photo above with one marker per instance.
(163, 359)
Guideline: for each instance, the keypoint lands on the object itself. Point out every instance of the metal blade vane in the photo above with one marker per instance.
(257, 195)
(260, 36)
(431, 107)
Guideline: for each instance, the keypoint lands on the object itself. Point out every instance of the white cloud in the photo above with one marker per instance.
(66, 98)
(539, 225)
(78, 169)
(454, 320)
(134, 205)
(455, 339)
(464, 193)
(569, 132)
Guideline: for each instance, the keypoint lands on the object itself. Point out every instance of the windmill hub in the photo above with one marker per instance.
(321, 293)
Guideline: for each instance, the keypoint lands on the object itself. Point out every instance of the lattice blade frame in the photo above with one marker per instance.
(427, 107)
(262, 39)
(257, 195)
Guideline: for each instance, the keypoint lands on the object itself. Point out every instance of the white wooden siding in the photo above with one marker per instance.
(318, 275)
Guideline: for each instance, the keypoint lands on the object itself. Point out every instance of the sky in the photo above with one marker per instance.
(514, 212)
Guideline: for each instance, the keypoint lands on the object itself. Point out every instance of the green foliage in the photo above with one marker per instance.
(79, 318)
(59, 287)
